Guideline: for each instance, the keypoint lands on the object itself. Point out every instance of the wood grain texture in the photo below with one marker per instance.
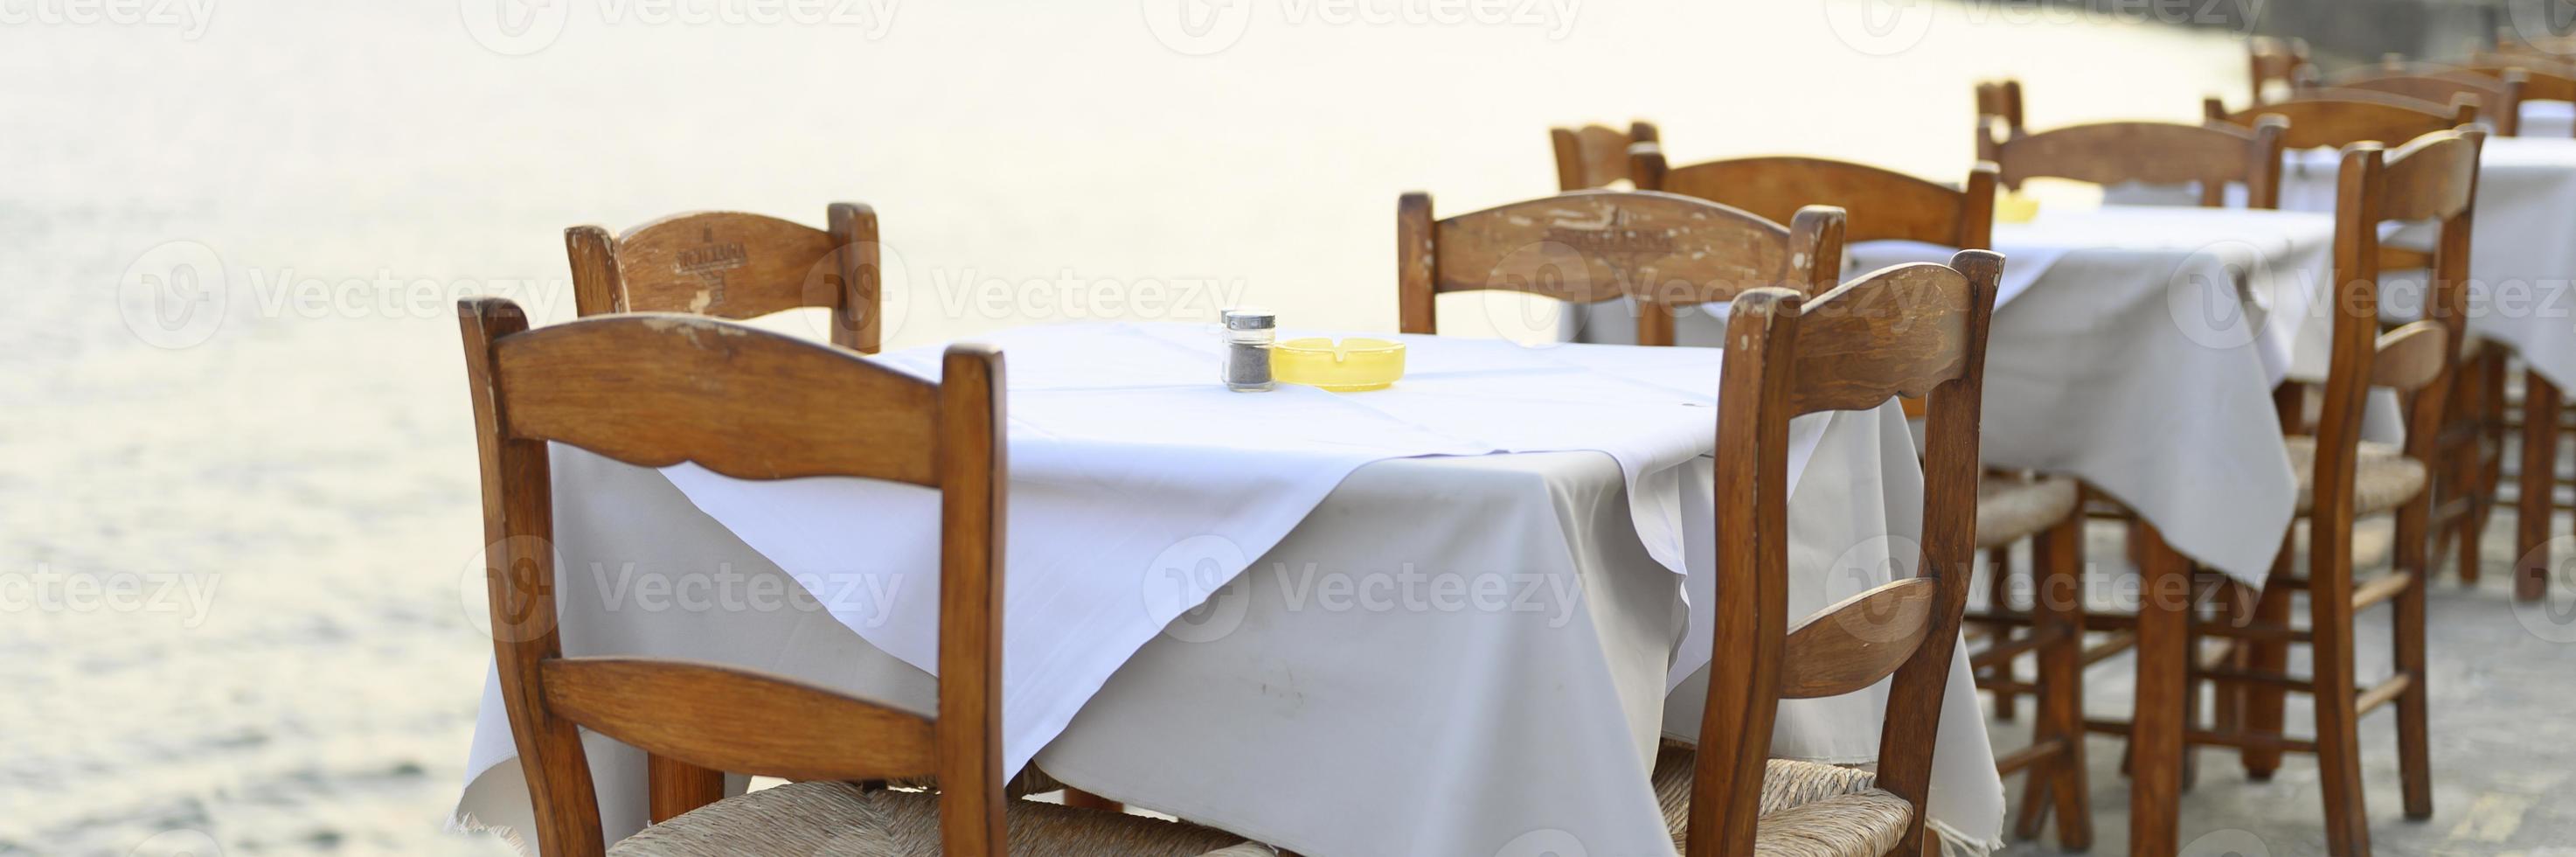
(734, 265)
(1899, 331)
(2211, 155)
(2411, 357)
(653, 389)
(1767, 378)
(1851, 645)
(1880, 204)
(1657, 249)
(656, 389)
(2337, 118)
(736, 720)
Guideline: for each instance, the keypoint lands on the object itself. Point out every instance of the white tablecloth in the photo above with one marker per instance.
(1329, 727)
(2551, 120)
(2139, 353)
(2521, 254)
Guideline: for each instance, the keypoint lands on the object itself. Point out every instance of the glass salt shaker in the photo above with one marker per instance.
(1249, 332)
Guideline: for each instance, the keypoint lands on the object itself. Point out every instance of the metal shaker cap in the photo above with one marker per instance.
(1250, 318)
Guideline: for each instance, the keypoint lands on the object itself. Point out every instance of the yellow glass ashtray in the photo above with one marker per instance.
(2012, 207)
(1350, 366)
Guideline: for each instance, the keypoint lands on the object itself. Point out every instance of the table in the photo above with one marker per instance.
(2137, 347)
(1348, 694)
(2520, 265)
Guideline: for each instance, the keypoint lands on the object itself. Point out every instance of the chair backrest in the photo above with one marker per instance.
(2543, 79)
(658, 389)
(2511, 42)
(2341, 117)
(2278, 61)
(1595, 155)
(2432, 178)
(728, 264)
(2108, 153)
(1659, 249)
(2498, 96)
(1910, 330)
(1881, 204)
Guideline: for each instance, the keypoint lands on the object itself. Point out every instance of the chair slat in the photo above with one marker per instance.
(1900, 331)
(1881, 204)
(2112, 153)
(1853, 644)
(2410, 357)
(2335, 118)
(1596, 245)
(697, 713)
(659, 389)
(2432, 178)
(1595, 156)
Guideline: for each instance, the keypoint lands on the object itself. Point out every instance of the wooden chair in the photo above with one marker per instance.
(2342, 477)
(2542, 79)
(2498, 95)
(1659, 250)
(1594, 156)
(655, 389)
(733, 265)
(2281, 61)
(1788, 355)
(2334, 118)
(2109, 153)
(2469, 462)
(2011, 507)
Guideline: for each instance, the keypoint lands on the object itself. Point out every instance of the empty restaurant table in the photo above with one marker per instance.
(2137, 347)
(1441, 618)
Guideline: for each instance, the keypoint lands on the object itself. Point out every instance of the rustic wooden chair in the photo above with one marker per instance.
(1788, 355)
(2498, 95)
(2278, 61)
(2334, 118)
(2542, 79)
(2011, 507)
(2342, 477)
(733, 265)
(2109, 153)
(654, 389)
(2469, 463)
(1659, 250)
(1594, 155)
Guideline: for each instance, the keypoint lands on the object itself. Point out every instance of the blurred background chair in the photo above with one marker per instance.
(733, 265)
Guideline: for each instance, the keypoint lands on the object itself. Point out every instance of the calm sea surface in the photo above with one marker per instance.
(234, 533)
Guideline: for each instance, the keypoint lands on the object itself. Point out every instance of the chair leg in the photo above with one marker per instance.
(2057, 563)
(2263, 704)
(2414, 753)
(2338, 735)
(2539, 487)
(1999, 599)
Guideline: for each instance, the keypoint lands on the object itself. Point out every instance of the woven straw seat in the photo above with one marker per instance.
(2010, 508)
(2384, 479)
(1809, 809)
(829, 819)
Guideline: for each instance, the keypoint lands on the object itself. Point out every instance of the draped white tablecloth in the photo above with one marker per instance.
(1423, 721)
(2137, 347)
(2521, 256)
(2548, 120)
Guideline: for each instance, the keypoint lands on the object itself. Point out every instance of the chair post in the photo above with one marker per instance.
(595, 286)
(972, 472)
(1417, 260)
(858, 316)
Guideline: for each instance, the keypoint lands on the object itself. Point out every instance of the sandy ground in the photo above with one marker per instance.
(236, 529)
